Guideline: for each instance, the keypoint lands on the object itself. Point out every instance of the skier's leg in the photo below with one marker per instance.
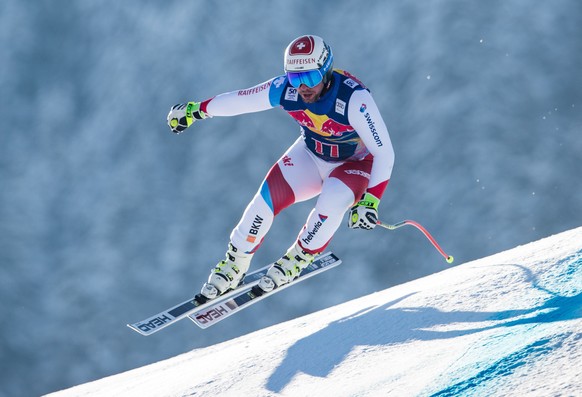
(345, 184)
(293, 178)
(326, 216)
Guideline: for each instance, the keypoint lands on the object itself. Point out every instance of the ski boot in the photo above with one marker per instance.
(286, 269)
(227, 274)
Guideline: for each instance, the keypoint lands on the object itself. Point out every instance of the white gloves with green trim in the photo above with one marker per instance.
(182, 116)
(364, 214)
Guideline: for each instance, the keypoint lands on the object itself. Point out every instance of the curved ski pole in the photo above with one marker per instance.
(448, 258)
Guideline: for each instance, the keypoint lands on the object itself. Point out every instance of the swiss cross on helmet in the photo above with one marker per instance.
(308, 60)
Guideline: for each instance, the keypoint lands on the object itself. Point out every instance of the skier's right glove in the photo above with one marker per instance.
(182, 116)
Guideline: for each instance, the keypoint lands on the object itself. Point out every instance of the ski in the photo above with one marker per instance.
(248, 295)
(168, 317)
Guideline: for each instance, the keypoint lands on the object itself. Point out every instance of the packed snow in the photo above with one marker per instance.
(508, 324)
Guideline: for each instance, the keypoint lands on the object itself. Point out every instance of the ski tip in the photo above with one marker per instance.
(136, 329)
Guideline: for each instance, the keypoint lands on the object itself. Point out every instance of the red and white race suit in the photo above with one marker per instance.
(344, 151)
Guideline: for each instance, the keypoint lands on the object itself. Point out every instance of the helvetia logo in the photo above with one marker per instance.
(311, 234)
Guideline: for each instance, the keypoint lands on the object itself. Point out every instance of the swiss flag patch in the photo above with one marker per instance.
(302, 46)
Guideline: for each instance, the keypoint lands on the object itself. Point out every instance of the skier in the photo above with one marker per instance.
(344, 155)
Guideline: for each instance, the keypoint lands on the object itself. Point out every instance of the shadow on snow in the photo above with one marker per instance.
(319, 353)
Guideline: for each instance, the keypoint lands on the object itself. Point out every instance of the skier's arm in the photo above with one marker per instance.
(365, 117)
(254, 99)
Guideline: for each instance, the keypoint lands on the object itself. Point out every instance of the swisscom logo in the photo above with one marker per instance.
(371, 124)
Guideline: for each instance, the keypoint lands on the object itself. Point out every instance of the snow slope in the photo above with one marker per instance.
(508, 324)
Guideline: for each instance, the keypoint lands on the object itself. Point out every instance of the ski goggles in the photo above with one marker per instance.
(310, 78)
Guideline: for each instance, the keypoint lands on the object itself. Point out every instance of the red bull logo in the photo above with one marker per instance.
(302, 118)
(334, 128)
(320, 124)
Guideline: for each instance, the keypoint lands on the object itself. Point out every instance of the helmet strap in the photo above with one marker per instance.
(326, 85)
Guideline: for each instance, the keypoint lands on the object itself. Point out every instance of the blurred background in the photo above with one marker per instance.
(107, 218)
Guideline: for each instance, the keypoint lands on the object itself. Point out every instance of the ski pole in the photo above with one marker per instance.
(449, 258)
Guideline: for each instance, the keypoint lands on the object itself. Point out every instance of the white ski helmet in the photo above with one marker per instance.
(308, 60)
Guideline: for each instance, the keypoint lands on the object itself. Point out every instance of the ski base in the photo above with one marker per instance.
(249, 295)
(193, 307)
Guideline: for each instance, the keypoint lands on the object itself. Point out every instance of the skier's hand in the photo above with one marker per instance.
(182, 116)
(364, 214)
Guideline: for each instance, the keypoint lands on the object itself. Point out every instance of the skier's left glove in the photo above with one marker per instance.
(364, 215)
(182, 116)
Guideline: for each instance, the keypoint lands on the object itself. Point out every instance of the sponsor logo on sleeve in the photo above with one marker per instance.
(277, 82)
(255, 89)
(371, 124)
